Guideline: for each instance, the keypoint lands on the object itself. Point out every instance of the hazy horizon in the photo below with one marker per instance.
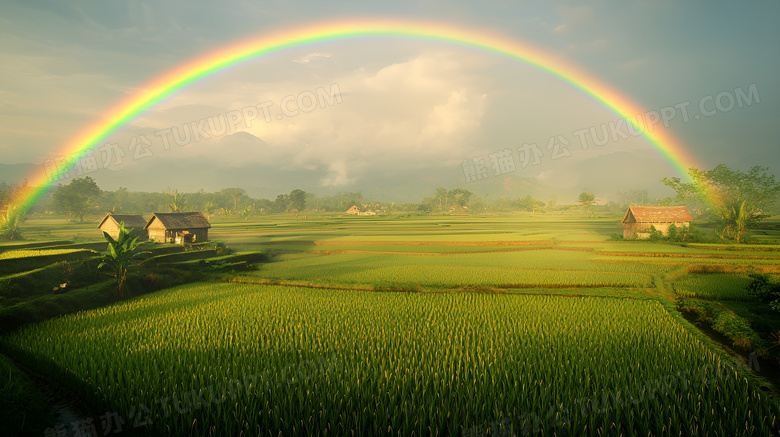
(393, 118)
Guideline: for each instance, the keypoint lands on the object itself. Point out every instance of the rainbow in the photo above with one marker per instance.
(199, 68)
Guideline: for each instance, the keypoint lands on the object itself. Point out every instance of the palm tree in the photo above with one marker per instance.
(587, 199)
(737, 218)
(208, 208)
(176, 202)
(247, 212)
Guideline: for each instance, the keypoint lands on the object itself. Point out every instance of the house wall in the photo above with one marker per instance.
(113, 230)
(157, 231)
(158, 235)
(140, 233)
(642, 230)
(201, 235)
(169, 235)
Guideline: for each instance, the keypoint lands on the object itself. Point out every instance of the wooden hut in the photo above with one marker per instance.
(178, 227)
(639, 219)
(110, 225)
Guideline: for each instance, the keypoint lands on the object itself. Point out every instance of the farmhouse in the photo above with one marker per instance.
(639, 219)
(459, 210)
(178, 227)
(353, 211)
(110, 225)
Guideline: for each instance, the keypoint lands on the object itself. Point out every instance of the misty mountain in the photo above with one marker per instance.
(15, 173)
(189, 173)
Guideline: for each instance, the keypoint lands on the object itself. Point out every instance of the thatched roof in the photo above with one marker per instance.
(131, 220)
(657, 214)
(180, 220)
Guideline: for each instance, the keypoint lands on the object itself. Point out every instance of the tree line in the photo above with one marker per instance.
(735, 201)
(82, 196)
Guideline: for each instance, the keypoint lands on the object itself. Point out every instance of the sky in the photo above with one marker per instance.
(391, 117)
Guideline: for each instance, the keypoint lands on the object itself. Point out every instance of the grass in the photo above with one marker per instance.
(46, 306)
(728, 323)
(20, 286)
(16, 264)
(52, 282)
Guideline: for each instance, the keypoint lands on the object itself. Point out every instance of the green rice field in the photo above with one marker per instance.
(714, 286)
(409, 364)
(506, 325)
(31, 253)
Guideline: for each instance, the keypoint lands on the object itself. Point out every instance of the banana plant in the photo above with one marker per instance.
(120, 254)
(10, 223)
(177, 202)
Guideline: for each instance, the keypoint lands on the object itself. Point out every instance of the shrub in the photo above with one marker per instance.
(763, 287)
(672, 234)
(655, 234)
(691, 234)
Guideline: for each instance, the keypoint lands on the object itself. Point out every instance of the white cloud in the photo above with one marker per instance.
(305, 59)
(337, 175)
(424, 111)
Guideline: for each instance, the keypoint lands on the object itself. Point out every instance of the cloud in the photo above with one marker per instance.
(337, 175)
(430, 110)
(425, 109)
(305, 59)
(454, 116)
(427, 105)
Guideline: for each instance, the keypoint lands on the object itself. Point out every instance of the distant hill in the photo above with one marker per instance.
(15, 173)
(267, 181)
(564, 181)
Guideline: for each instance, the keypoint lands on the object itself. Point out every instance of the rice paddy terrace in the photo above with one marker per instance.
(430, 326)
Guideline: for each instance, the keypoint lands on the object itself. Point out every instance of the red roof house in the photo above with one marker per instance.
(639, 219)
